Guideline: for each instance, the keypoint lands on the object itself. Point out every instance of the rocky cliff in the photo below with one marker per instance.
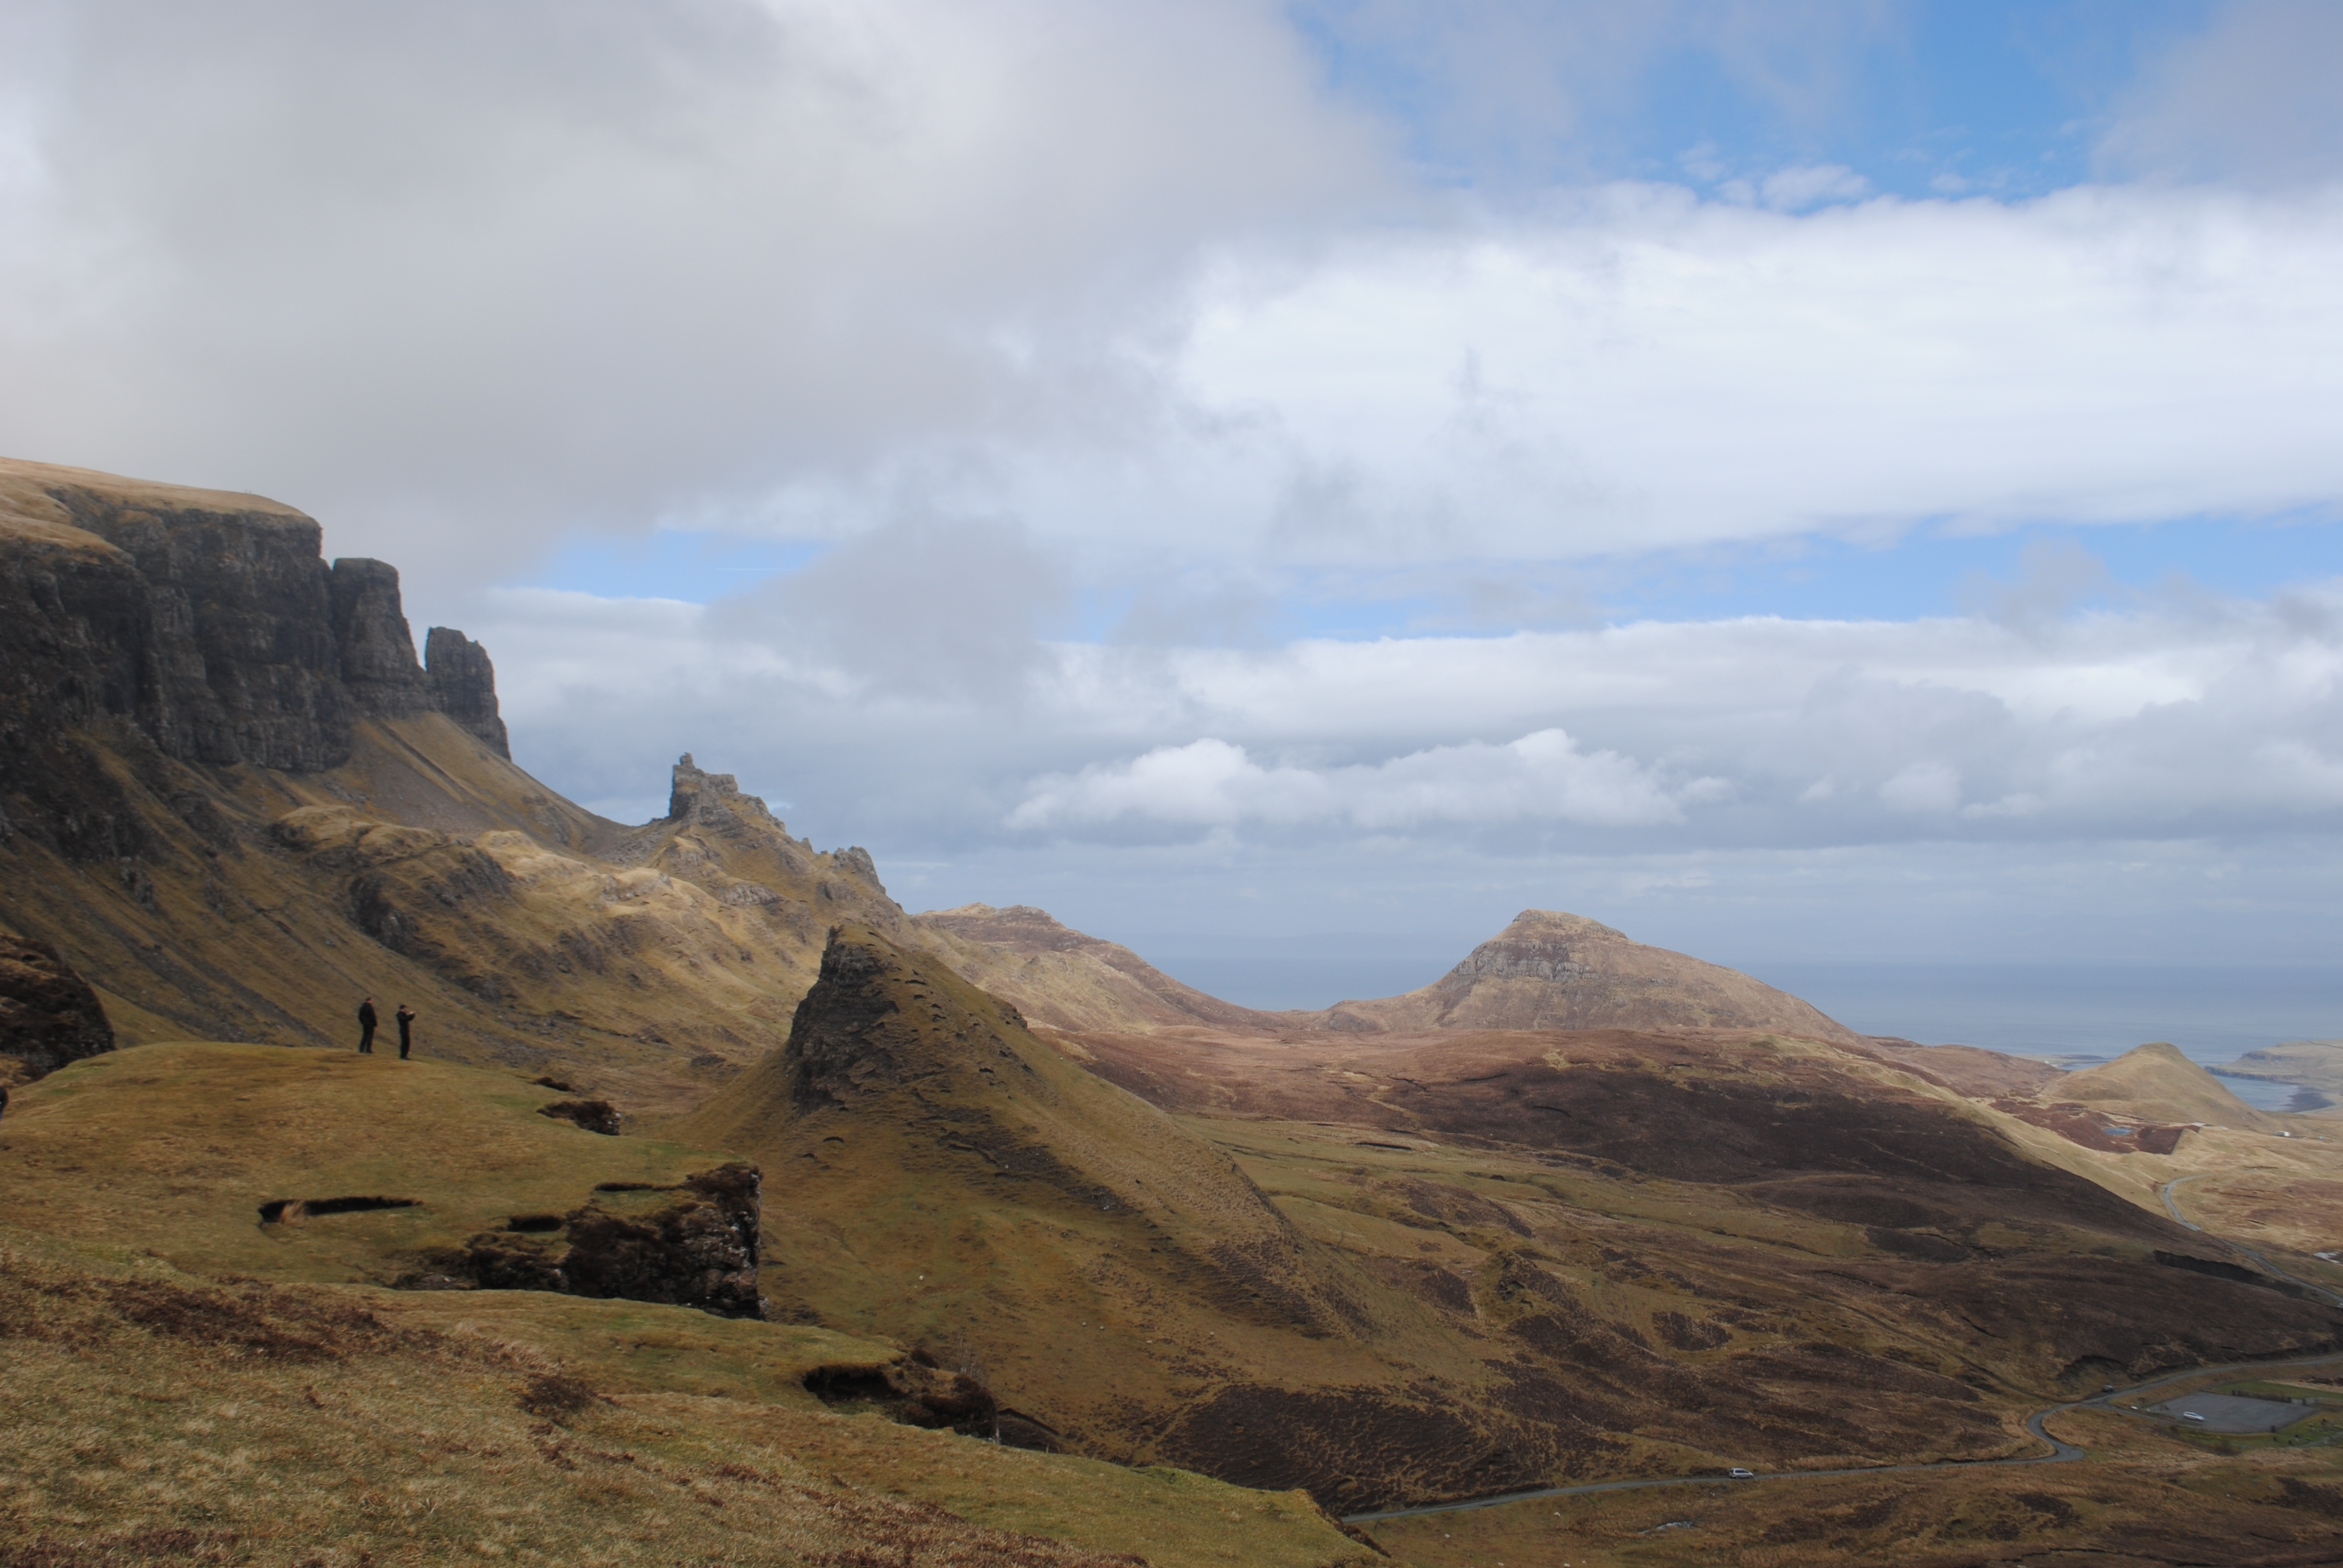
(464, 685)
(204, 623)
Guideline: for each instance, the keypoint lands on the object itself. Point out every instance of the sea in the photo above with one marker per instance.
(2073, 1014)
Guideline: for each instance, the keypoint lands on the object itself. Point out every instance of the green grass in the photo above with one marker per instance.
(173, 1148)
(177, 1378)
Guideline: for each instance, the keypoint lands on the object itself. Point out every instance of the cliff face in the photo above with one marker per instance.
(373, 650)
(464, 685)
(207, 623)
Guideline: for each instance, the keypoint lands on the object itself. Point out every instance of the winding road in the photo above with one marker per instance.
(2173, 1209)
(2060, 1453)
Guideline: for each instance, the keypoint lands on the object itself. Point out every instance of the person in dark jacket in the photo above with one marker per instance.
(367, 1021)
(406, 1016)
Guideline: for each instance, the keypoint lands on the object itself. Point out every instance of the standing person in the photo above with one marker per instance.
(366, 1027)
(406, 1016)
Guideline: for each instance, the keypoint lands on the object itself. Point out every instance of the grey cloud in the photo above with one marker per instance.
(1535, 89)
(459, 277)
(922, 607)
(2251, 97)
(898, 691)
(2051, 577)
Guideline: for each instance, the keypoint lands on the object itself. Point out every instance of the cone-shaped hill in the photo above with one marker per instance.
(2155, 1083)
(897, 1067)
(938, 1174)
(1553, 971)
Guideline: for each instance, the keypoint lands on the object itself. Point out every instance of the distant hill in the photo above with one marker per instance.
(1544, 970)
(1061, 978)
(937, 1175)
(1548, 970)
(2316, 1062)
(2156, 1082)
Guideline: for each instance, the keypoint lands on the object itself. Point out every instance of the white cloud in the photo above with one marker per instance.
(1023, 308)
(2165, 721)
(464, 280)
(1648, 371)
(1542, 777)
(1798, 188)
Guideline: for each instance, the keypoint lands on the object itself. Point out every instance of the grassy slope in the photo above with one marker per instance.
(172, 1148)
(2316, 1062)
(147, 1413)
(142, 1397)
(978, 1194)
(526, 930)
(1457, 1317)
(2143, 1498)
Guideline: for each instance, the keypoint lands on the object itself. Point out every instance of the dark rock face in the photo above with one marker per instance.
(707, 799)
(235, 658)
(699, 1251)
(377, 652)
(464, 685)
(918, 1393)
(208, 629)
(48, 1015)
(593, 1115)
(696, 1248)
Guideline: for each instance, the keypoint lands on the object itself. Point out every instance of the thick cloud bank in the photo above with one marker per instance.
(2188, 717)
(1541, 778)
(466, 280)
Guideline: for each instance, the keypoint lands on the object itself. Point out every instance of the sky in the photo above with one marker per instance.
(1801, 481)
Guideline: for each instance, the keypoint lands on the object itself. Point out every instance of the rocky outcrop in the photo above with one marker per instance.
(370, 632)
(700, 1249)
(205, 625)
(691, 1245)
(918, 1393)
(464, 685)
(707, 800)
(50, 1017)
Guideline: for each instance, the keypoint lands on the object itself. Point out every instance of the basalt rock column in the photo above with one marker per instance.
(464, 685)
(377, 652)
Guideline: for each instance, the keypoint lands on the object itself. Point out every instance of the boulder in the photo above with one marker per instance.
(49, 1016)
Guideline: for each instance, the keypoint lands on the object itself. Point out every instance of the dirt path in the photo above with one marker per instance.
(2060, 1453)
